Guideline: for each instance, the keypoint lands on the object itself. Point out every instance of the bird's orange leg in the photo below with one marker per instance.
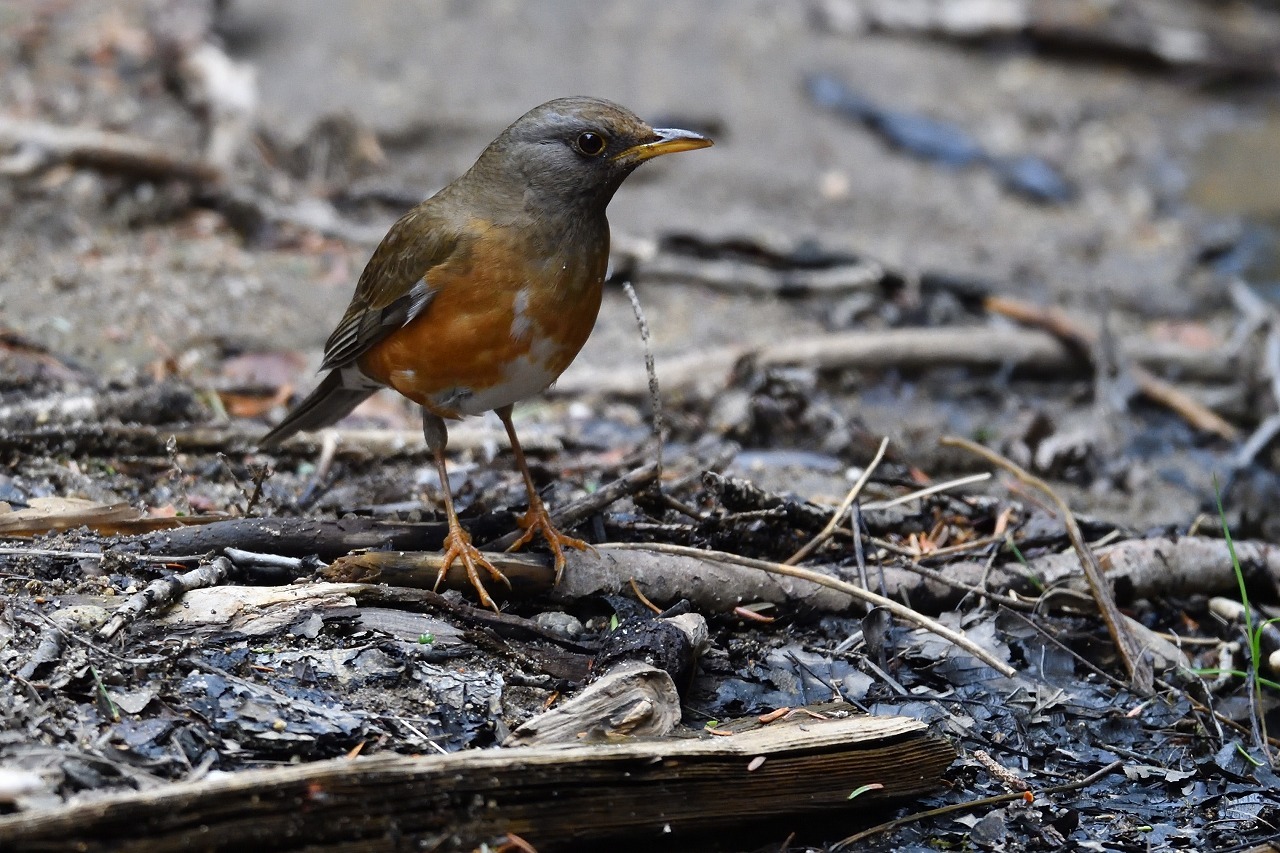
(457, 542)
(536, 519)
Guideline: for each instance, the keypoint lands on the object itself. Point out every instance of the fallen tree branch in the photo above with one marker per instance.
(899, 610)
(572, 514)
(45, 144)
(976, 347)
(1142, 568)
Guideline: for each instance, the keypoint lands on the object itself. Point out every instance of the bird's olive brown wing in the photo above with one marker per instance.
(395, 286)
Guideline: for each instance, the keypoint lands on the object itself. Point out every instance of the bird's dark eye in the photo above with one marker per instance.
(591, 144)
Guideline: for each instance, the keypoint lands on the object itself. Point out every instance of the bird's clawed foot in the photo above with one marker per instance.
(538, 520)
(457, 546)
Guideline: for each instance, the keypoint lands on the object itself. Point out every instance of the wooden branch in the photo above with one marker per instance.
(711, 585)
(570, 515)
(646, 790)
(163, 592)
(976, 347)
(100, 149)
(1143, 568)
(302, 537)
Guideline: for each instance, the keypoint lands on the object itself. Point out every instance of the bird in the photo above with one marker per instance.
(482, 295)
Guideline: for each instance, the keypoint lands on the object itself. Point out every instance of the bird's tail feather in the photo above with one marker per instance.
(329, 403)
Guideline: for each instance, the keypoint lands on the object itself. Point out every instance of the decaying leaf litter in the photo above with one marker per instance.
(180, 607)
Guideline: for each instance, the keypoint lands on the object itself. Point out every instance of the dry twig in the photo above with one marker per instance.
(165, 591)
(1136, 663)
(829, 530)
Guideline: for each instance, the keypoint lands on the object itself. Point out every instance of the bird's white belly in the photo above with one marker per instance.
(523, 378)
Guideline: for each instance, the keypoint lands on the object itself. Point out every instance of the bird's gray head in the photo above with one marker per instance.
(574, 153)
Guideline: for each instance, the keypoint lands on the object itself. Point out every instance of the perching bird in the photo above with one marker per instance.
(483, 294)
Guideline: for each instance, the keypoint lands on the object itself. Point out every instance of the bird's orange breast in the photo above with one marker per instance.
(502, 324)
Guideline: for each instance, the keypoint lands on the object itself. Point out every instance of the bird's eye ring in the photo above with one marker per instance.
(591, 144)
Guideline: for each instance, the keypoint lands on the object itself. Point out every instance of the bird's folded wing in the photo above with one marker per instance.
(394, 288)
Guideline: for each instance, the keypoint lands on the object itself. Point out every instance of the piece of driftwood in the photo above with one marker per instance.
(633, 699)
(554, 797)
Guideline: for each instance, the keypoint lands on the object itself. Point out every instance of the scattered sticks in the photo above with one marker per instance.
(1138, 665)
(901, 611)
(1057, 323)
(838, 516)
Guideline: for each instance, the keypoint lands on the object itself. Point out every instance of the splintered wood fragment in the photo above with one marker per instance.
(650, 790)
(252, 611)
(633, 699)
(635, 689)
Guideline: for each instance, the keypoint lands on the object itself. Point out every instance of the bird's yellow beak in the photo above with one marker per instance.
(670, 141)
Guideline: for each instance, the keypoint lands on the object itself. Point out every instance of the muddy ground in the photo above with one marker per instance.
(209, 300)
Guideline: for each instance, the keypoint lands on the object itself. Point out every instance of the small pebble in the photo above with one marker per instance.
(560, 624)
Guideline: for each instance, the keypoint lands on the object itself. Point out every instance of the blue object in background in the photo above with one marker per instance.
(940, 141)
